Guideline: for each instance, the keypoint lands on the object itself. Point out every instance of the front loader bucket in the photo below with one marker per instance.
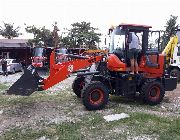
(26, 84)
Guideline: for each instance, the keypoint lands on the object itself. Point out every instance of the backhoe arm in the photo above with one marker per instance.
(169, 49)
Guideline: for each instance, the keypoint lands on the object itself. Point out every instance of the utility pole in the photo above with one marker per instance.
(55, 35)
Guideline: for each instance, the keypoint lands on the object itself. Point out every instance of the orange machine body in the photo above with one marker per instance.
(115, 64)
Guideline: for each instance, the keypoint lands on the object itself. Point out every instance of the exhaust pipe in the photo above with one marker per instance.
(27, 83)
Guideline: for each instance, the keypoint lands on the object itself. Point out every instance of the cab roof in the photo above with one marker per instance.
(134, 27)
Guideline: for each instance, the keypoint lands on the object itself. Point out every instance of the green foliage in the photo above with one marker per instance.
(171, 26)
(65, 131)
(68, 41)
(82, 34)
(40, 35)
(9, 31)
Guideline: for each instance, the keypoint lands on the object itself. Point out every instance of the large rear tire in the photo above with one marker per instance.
(95, 95)
(152, 92)
(77, 85)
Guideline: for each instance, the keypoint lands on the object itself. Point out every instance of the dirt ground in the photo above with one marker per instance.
(70, 108)
(170, 97)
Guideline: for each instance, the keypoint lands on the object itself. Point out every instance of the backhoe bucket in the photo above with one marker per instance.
(26, 84)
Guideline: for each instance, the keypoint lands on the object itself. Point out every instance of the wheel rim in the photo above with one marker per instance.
(96, 96)
(174, 74)
(81, 85)
(154, 93)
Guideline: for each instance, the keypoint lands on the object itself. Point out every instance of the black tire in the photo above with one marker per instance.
(152, 92)
(77, 85)
(95, 95)
(175, 73)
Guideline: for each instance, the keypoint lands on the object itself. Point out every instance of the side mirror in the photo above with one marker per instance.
(129, 39)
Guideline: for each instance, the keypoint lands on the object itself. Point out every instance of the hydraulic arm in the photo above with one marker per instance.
(30, 81)
(59, 72)
(169, 49)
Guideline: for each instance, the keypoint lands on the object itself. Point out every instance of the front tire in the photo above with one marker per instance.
(152, 92)
(95, 95)
(77, 85)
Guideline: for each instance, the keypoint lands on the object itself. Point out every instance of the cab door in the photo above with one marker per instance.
(153, 49)
(153, 41)
(154, 60)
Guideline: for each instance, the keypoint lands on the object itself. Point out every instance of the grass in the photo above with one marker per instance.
(151, 124)
(65, 131)
(94, 126)
(121, 104)
(34, 98)
(3, 87)
(90, 124)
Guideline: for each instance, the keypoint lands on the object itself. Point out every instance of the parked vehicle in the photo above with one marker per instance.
(12, 66)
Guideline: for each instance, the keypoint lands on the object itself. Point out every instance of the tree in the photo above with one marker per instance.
(40, 35)
(8, 31)
(67, 41)
(171, 26)
(82, 34)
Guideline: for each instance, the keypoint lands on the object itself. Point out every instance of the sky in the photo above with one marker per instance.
(101, 13)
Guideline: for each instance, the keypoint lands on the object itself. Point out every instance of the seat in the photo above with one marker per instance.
(150, 64)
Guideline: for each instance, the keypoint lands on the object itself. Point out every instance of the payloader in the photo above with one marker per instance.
(102, 73)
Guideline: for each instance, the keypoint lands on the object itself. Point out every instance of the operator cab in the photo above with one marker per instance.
(121, 35)
(38, 56)
(61, 55)
(39, 51)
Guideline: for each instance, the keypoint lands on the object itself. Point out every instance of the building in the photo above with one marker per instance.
(20, 50)
(15, 49)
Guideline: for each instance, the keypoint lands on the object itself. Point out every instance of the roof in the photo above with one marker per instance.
(13, 42)
(135, 25)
